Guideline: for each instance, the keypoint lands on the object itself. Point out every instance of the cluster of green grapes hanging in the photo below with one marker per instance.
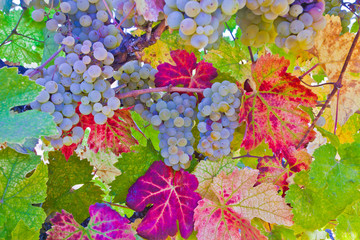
(291, 24)
(79, 82)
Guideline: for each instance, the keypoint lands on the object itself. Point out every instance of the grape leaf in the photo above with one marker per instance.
(149, 9)
(104, 164)
(238, 203)
(105, 223)
(19, 90)
(50, 46)
(173, 197)
(232, 59)
(63, 175)
(319, 196)
(332, 48)
(205, 173)
(272, 110)
(27, 50)
(349, 223)
(18, 192)
(185, 72)
(22, 231)
(132, 165)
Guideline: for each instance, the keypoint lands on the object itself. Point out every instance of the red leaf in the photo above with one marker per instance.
(105, 224)
(173, 198)
(114, 134)
(182, 72)
(272, 110)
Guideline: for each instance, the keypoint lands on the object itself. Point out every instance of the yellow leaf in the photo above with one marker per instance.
(332, 49)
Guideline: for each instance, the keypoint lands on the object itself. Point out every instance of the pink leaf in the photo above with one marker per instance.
(105, 224)
(182, 72)
(150, 9)
(68, 150)
(272, 110)
(238, 203)
(173, 197)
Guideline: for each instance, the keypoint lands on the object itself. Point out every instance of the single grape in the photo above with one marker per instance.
(100, 118)
(38, 15)
(174, 19)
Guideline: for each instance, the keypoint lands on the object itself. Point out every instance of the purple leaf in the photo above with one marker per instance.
(173, 197)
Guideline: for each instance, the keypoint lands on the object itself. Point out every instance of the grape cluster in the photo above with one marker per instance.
(173, 116)
(127, 9)
(55, 100)
(218, 118)
(256, 29)
(136, 75)
(298, 28)
(333, 7)
(200, 23)
(73, 79)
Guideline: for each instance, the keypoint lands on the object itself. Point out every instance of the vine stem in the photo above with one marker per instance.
(14, 30)
(337, 86)
(308, 71)
(132, 8)
(245, 156)
(251, 54)
(109, 11)
(159, 89)
(46, 62)
(337, 110)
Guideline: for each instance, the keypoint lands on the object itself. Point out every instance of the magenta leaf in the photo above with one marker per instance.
(105, 224)
(173, 197)
(182, 73)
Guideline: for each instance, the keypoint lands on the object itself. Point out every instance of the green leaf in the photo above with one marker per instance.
(132, 165)
(19, 90)
(63, 176)
(18, 191)
(147, 129)
(322, 198)
(231, 23)
(19, 48)
(349, 223)
(22, 231)
(334, 140)
(230, 58)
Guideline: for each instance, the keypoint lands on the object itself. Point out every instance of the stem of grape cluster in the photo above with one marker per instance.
(337, 86)
(159, 89)
(46, 62)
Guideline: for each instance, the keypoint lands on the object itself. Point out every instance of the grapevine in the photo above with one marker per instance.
(191, 119)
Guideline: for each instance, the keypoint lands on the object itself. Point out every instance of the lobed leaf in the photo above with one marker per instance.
(63, 176)
(16, 127)
(105, 223)
(271, 111)
(173, 197)
(19, 191)
(318, 196)
(238, 203)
